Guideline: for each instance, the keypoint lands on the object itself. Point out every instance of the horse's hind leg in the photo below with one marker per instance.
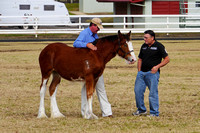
(55, 112)
(41, 113)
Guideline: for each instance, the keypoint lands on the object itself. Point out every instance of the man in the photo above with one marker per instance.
(149, 64)
(84, 40)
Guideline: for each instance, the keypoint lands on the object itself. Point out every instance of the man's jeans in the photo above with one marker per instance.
(150, 80)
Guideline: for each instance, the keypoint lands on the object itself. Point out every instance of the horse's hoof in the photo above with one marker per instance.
(42, 116)
(94, 117)
(57, 115)
(90, 117)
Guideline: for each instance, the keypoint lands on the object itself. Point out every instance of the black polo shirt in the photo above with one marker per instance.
(151, 56)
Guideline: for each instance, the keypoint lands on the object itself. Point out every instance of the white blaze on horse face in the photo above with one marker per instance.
(130, 46)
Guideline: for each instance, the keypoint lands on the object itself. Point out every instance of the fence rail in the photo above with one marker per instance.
(111, 23)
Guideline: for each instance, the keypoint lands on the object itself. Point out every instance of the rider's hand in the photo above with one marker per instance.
(91, 46)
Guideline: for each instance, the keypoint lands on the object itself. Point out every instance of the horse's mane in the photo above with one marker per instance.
(110, 38)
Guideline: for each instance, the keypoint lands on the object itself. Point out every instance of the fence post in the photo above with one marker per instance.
(36, 26)
(79, 18)
(124, 22)
(167, 24)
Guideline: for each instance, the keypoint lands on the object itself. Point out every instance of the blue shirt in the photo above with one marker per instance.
(86, 36)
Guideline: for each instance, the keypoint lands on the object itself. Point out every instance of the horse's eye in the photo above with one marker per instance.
(125, 45)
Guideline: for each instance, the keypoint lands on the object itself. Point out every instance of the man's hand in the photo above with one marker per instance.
(91, 46)
(154, 69)
(163, 63)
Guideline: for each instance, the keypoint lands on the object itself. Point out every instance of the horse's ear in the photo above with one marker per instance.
(129, 36)
(119, 34)
(129, 33)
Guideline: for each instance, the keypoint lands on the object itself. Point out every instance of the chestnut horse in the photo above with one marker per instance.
(72, 63)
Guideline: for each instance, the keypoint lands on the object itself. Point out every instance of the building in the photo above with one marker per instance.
(146, 7)
(155, 7)
(92, 6)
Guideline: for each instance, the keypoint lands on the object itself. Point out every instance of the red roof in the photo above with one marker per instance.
(132, 1)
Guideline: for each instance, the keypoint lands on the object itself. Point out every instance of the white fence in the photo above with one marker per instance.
(111, 23)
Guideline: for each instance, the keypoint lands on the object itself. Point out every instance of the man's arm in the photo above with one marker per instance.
(163, 63)
(139, 65)
(81, 43)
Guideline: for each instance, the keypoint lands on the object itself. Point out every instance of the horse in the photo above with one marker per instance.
(71, 63)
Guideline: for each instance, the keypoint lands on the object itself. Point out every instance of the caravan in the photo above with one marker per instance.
(23, 13)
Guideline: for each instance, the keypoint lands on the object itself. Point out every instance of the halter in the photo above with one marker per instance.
(120, 48)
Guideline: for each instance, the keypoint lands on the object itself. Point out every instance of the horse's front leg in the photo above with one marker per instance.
(90, 88)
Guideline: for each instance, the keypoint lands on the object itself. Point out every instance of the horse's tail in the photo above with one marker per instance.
(46, 61)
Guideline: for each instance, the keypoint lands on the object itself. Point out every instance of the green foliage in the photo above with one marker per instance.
(72, 6)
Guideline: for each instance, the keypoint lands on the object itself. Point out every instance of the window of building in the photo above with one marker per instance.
(24, 7)
(197, 4)
(49, 7)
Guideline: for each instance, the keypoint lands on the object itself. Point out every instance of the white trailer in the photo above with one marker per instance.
(27, 12)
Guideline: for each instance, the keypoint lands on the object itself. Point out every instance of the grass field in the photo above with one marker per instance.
(179, 93)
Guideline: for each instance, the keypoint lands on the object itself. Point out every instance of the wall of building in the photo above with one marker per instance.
(148, 11)
(192, 9)
(92, 6)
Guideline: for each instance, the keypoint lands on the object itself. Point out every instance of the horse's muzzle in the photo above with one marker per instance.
(131, 59)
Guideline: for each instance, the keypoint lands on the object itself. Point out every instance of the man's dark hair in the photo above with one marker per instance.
(150, 32)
